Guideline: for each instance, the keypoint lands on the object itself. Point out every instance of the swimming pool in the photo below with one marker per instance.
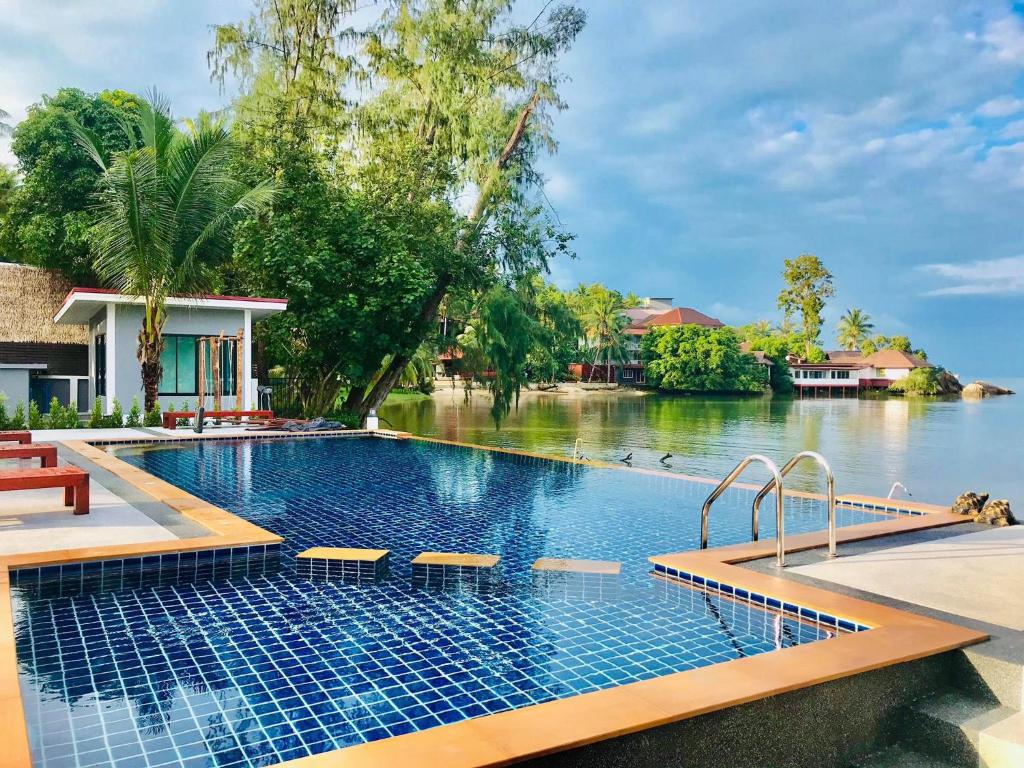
(254, 666)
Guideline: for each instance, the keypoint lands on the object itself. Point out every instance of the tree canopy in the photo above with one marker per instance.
(808, 284)
(693, 358)
(49, 213)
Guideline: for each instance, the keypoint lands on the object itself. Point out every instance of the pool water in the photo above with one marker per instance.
(255, 669)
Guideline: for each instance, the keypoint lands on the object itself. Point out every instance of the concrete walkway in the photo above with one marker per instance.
(977, 575)
(38, 521)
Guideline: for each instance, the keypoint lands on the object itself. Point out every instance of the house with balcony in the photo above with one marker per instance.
(79, 344)
(652, 313)
(848, 373)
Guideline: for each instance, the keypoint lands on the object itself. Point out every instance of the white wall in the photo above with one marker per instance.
(122, 344)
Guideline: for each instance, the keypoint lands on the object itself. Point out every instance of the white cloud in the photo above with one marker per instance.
(1005, 36)
(1001, 106)
(986, 277)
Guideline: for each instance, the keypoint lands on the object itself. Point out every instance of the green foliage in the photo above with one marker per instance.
(50, 213)
(920, 381)
(116, 417)
(134, 414)
(153, 416)
(8, 185)
(96, 415)
(879, 342)
(164, 213)
(367, 246)
(35, 416)
(556, 332)
(853, 329)
(17, 420)
(692, 358)
(4, 418)
(808, 284)
(600, 311)
(506, 338)
(776, 348)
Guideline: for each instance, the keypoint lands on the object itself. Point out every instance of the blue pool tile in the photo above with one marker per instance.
(224, 657)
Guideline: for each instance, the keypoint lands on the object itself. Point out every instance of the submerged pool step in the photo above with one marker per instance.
(444, 569)
(567, 579)
(343, 563)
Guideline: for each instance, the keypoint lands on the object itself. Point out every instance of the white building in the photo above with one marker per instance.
(79, 344)
(849, 372)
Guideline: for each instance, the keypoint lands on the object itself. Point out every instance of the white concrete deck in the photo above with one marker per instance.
(977, 575)
(38, 521)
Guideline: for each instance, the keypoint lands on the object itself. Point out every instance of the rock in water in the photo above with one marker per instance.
(984, 389)
(973, 390)
(969, 503)
(996, 512)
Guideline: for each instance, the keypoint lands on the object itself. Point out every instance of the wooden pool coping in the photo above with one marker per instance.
(541, 729)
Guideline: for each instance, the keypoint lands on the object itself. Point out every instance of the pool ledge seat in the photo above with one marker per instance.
(344, 553)
(565, 565)
(343, 563)
(456, 559)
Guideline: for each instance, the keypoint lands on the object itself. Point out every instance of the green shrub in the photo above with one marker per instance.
(920, 381)
(134, 414)
(17, 420)
(96, 415)
(4, 418)
(184, 407)
(35, 416)
(63, 416)
(55, 418)
(153, 417)
(116, 417)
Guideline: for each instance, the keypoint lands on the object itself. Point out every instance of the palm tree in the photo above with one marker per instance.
(165, 208)
(5, 128)
(853, 329)
(604, 321)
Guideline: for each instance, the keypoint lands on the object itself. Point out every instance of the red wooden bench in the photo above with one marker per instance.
(47, 454)
(16, 437)
(170, 418)
(73, 480)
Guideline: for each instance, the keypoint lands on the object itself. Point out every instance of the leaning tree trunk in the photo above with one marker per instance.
(428, 312)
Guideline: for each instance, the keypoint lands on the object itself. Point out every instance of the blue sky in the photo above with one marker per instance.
(706, 142)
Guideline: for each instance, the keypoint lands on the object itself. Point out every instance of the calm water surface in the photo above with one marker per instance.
(937, 448)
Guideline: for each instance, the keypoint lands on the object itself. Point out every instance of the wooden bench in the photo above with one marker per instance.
(73, 480)
(17, 436)
(170, 418)
(47, 454)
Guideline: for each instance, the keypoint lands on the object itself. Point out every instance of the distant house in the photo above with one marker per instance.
(844, 372)
(79, 344)
(653, 312)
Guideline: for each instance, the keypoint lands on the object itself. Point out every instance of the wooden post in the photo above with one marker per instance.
(202, 372)
(215, 368)
(240, 374)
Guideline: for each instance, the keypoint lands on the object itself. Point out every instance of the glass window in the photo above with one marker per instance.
(179, 366)
(180, 361)
(228, 358)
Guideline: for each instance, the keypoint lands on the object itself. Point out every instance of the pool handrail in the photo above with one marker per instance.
(830, 481)
(780, 547)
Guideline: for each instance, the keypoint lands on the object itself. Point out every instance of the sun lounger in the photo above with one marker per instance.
(19, 436)
(47, 454)
(73, 480)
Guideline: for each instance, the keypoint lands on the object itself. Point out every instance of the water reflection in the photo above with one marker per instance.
(938, 448)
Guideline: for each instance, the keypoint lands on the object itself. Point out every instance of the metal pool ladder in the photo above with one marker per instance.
(831, 483)
(776, 482)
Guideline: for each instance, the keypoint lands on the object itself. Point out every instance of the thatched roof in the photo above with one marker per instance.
(29, 298)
